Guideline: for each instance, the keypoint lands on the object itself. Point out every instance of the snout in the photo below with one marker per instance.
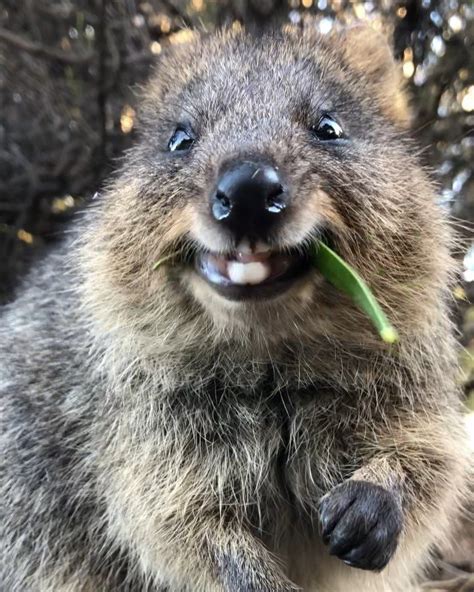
(256, 241)
(249, 200)
(251, 213)
(249, 203)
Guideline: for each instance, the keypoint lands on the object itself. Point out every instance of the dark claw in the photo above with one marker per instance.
(361, 523)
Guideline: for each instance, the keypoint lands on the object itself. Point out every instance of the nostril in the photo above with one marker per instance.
(275, 201)
(221, 206)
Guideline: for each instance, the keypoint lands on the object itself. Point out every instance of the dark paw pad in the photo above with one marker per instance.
(361, 523)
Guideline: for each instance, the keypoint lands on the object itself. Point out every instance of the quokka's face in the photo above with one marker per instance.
(252, 150)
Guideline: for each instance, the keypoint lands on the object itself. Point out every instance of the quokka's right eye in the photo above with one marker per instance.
(327, 129)
(181, 140)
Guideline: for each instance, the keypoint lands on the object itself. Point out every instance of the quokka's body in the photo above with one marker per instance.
(228, 420)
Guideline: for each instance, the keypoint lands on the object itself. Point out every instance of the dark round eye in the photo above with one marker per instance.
(327, 129)
(180, 140)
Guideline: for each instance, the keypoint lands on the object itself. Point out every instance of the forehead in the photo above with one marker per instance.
(242, 71)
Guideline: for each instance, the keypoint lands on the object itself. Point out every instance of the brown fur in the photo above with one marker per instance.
(207, 431)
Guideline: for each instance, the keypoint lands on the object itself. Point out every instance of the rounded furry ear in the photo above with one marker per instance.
(368, 52)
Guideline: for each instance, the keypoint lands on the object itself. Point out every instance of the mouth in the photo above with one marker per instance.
(257, 274)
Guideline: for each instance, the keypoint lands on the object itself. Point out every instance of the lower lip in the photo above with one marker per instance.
(270, 288)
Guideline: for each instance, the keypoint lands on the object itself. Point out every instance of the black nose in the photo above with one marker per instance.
(249, 199)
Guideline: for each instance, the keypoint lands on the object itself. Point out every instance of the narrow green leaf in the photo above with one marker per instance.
(160, 262)
(346, 279)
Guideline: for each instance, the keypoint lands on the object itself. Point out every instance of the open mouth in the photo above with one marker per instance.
(253, 274)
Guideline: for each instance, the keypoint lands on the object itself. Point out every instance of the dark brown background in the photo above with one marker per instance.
(69, 70)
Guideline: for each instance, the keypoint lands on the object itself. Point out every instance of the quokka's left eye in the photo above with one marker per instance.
(180, 140)
(327, 128)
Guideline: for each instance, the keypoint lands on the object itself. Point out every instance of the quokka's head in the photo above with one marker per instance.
(251, 150)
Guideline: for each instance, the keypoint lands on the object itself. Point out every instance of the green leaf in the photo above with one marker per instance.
(160, 262)
(345, 278)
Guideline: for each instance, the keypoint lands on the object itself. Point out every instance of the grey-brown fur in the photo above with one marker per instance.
(156, 438)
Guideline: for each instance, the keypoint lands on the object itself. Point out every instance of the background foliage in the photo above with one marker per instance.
(69, 70)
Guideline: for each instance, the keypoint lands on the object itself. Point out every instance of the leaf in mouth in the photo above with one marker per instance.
(346, 279)
(160, 262)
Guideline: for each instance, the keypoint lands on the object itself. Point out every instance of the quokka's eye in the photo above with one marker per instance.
(327, 129)
(180, 140)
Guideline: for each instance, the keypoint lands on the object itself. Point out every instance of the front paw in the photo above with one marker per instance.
(361, 523)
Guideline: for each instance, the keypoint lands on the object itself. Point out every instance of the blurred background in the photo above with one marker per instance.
(69, 74)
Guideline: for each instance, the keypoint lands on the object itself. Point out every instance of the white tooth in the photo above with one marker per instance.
(247, 273)
(244, 247)
(261, 247)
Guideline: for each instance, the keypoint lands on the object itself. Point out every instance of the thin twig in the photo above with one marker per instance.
(39, 49)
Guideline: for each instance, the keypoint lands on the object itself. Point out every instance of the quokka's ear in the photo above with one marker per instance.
(368, 52)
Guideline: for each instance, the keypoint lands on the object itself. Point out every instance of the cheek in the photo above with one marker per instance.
(137, 238)
(313, 211)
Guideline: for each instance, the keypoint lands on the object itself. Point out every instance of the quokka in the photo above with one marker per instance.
(229, 421)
